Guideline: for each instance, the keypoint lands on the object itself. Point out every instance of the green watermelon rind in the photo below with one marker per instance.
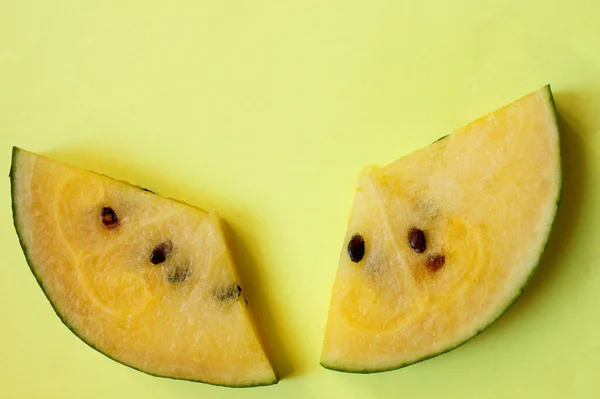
(509, 303)
(15, 205)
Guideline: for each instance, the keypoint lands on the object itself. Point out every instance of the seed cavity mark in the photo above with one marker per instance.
(228, 292)
(160, 252)
(109, 217)
(435, 262)
(356, 248)
(416, 239)
(179, 274)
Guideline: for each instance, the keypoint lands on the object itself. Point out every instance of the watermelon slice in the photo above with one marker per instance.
(146, 280)
(442, 241)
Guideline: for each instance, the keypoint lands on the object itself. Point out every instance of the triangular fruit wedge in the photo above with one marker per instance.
(443, 240)
(146, 280)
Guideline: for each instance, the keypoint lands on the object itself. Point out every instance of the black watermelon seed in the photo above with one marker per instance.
(179, 274)
(416, 239)
(109, 217)
(356, 248)
(441, 138)
(160, 252)
(435, 262)
(228, 293)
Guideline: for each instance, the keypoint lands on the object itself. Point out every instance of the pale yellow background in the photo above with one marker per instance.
(266, 111)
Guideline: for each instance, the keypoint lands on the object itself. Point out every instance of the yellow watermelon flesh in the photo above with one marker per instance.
(146, 280)
(442, 241)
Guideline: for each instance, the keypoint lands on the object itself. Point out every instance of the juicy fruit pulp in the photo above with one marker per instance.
(135, 275)
(452, 234)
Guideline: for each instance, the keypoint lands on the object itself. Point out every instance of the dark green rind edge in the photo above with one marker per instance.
(519, 293)
(13, 165)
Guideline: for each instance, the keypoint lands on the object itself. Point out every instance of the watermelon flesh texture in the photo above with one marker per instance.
(148, 281)
(484, 198)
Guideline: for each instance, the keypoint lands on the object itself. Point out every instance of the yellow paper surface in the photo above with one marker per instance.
(266, 111)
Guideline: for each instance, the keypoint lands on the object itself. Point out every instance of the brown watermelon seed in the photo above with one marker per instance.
(435, 262)
(109, 218)
(160, 252)
(228, 293)
(356, 248)
(179, 274)
(416, 239)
